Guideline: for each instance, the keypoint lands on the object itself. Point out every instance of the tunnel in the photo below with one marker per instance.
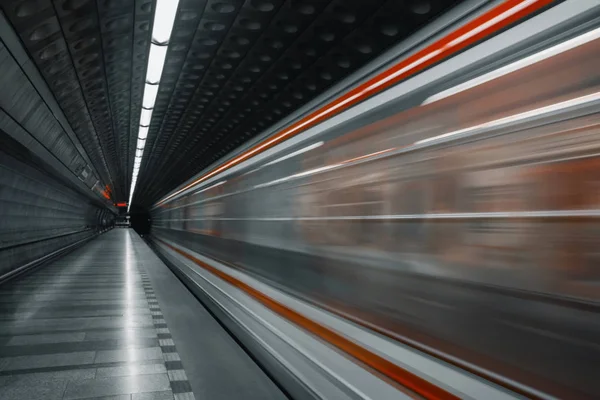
(299, 199)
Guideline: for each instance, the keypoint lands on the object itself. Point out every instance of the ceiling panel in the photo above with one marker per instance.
(233, 69)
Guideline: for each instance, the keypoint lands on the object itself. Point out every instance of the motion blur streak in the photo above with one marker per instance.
(467, 226)
(542, 55)
(499, 17)
(404, 377)
(518, 117)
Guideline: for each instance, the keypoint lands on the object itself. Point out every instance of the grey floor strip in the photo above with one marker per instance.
(180, 386)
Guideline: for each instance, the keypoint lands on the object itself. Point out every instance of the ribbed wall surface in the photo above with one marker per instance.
(38, 215)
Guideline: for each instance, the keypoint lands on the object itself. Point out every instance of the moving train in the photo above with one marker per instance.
(502, 176)
(480, 175)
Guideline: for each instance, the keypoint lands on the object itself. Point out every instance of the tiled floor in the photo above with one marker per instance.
(88, 327)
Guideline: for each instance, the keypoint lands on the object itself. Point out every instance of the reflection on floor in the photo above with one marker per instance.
(88, 326)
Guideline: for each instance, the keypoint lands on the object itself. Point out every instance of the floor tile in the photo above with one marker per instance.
(47, 338)
(71, 375)
(152, 353)
(82, 328)
(46, 314)
(135, 369)
(121, 334)
(4, 380)
(168, 395)
(46, 360)
(42, 390)
(117, 385)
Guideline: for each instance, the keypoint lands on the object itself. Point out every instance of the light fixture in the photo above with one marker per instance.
(150, 92)
(143, 133)
(164, 18)
(156, 62)
(145, 117)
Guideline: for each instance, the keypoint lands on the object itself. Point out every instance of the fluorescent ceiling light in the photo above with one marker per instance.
(517, 65)
(143, 134)
(156, 63)
(164, 18)
(145, 117)
(150, 92)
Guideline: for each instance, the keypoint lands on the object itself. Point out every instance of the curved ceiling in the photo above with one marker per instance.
(233, 68)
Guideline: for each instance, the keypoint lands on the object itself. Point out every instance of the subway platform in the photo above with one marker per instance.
(111, 321)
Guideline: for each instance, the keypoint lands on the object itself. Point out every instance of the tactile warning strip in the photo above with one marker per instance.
(180, 386)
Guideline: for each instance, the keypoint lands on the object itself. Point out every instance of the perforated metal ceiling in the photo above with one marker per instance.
(93, 56)
(233, 68)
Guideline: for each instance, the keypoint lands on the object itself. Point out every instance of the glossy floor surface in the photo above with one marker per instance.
(91, 326)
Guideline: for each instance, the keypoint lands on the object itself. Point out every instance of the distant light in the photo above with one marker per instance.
(139, 153)
(141, 142)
